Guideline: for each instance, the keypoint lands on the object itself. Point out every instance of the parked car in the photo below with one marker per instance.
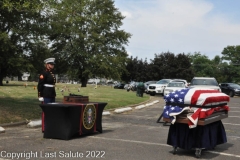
(119, 86)
(231, 89)
(174, 86)
(110, 83)
(205, 82)
(146, 84)
(133, 85)
(126, 86)
(158, 87)
(181, 80)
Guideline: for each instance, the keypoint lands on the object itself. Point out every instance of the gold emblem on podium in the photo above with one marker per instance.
(89, 116)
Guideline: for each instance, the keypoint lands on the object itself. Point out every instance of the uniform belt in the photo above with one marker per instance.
(49, 85)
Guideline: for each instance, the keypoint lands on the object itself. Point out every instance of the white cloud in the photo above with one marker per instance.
(127, 15)
(177, 26)
(129, 53)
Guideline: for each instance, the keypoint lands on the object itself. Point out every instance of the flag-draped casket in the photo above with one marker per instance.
(195, 116)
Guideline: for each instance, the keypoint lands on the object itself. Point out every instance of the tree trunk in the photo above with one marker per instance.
(1, 80)
(84, 81)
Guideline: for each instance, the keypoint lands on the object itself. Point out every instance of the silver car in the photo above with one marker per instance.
(158, 87)
(205, 82)
(173, 86)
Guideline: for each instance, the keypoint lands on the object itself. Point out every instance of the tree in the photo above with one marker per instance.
(136, 70)
(19, 28)
(39, 52)
(231, 54)
(131, 70)
(86, 34)
(144, 70)
(183, 69)
(157, 66)
(169, 65)
(202, 65)
(219, 69)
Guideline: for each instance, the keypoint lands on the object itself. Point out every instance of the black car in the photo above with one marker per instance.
(119, 86)
(231, 89)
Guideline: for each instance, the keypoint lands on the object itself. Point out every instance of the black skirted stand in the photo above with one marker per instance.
(65, 121)
(202, 137)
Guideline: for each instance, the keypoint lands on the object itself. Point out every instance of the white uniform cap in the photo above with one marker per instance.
(50, 60)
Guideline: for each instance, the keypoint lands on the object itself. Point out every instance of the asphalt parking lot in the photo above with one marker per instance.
(132, 135)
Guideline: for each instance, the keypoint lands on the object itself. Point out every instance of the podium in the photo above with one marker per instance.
(72, 98)
(66, 120)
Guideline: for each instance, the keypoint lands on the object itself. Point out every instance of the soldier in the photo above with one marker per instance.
(46, 83)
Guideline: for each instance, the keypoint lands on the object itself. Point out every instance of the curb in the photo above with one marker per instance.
(105, 113)
(121, 110)
(2, 130)
(14, 124)
(38, 123)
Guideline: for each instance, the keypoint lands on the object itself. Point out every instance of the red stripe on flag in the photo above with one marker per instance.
(214, 99)
(197, 93)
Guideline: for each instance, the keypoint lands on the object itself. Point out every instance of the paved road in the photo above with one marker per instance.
(134, 135)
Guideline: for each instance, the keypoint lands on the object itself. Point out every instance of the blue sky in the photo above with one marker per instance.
(180, 26)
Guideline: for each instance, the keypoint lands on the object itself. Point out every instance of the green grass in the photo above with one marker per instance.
(19, 102)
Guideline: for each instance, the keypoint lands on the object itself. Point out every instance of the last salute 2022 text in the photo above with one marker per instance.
(54, 154)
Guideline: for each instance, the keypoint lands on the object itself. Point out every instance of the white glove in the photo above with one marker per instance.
(40, 99)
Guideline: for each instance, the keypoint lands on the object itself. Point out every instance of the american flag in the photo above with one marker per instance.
(172, 111)
(203, 102)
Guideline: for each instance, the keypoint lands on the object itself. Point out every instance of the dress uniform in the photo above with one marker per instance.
(46, 83)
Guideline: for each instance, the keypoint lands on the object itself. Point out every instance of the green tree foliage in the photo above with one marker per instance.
(231, 54)
(168, 65)
(183, 69)
(136, 70)
(131, 70)
(86, 34)
(21, 24)
(87, 42)
(144, 76)
(39, 52)
(164, 65)
(202, 65)
(21, 5)
(221, 70)
(223, 75)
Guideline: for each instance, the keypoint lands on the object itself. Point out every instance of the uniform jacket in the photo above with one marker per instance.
(46, 77)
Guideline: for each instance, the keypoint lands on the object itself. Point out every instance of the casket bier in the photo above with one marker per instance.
(215, 116)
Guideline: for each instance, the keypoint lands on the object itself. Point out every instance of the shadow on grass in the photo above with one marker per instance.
(15, 110)
(19, 83)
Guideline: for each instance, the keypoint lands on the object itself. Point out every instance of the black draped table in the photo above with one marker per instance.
(203, 136)
(66, 120)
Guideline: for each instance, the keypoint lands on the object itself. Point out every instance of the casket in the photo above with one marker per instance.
(215, 116)
(195, 106)
(195, 116)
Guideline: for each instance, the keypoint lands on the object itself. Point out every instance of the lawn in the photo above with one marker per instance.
(19, 101)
